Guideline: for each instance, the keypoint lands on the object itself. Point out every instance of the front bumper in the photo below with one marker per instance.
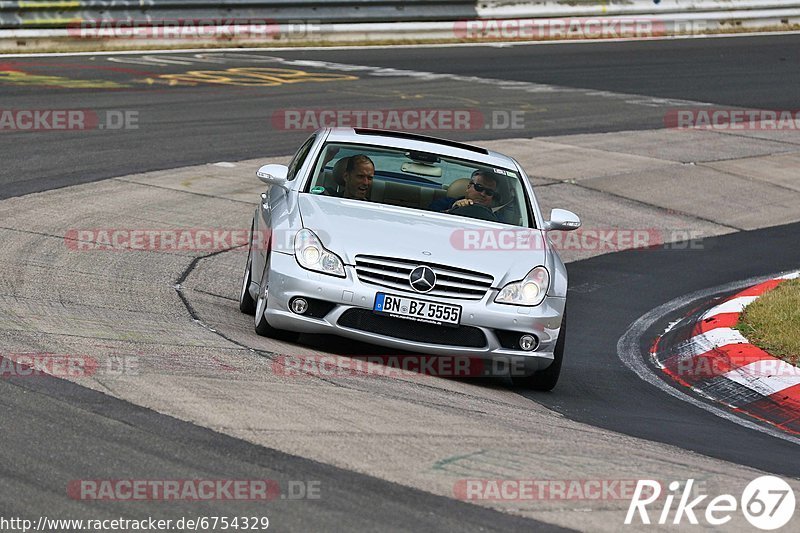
(289, 280)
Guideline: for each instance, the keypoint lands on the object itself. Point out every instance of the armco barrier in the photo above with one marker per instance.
(589, 8)
(53, 24)
(59, 13)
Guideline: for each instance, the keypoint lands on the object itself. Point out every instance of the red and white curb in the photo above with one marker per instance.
(715, 360)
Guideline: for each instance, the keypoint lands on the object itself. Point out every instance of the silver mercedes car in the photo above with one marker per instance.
(412, 243)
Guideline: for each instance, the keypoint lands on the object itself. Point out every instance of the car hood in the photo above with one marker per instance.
(352, 227)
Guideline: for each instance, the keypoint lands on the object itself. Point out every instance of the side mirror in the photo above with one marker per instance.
(563, 220)
(273, 174)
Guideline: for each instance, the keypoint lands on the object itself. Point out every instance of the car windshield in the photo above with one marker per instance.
(420, 180)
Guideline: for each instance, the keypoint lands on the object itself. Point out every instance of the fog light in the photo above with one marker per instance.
(527, 342)
(299, 306)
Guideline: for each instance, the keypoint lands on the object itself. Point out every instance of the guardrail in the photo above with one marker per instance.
(61, 13)
(588, 8)
(37, 24)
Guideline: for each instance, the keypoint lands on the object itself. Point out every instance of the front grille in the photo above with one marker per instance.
(366, 320)
(450, 282)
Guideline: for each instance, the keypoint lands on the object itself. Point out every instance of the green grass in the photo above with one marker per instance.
(773, 322)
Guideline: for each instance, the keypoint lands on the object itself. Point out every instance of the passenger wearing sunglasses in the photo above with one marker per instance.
(481, 190)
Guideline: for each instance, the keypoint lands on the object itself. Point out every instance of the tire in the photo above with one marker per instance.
(545, 380)
(246, 303)
(262, 326)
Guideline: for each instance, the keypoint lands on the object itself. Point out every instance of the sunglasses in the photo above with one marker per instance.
(480, 188)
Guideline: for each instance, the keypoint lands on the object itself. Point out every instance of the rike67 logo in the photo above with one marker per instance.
(767, 503)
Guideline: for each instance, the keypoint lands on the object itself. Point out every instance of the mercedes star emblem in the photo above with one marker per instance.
(422, 279)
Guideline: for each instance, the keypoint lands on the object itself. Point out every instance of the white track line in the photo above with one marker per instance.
(766, 377)
(735, 305)
(705, 342)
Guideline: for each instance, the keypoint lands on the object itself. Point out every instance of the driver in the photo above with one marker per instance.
(480, 191)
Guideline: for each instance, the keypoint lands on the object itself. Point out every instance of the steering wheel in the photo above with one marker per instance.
(475, 211)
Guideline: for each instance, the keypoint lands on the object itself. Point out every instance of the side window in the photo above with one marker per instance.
(300, 157)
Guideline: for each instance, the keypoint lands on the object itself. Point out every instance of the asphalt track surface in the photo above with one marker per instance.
(185, 125)
(755, 72)
(608, 293)
(57, 431)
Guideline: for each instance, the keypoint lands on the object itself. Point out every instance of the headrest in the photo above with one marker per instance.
(339, 169)
(458, 189)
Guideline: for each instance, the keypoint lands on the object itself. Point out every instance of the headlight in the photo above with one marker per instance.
(313, 256)
(529, 291)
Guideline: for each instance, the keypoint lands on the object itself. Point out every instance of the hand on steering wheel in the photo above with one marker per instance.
(474, 210)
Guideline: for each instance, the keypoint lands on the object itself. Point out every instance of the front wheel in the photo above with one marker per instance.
(545, 380)
(262, 326)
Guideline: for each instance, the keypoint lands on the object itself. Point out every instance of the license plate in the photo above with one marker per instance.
(417, 310)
